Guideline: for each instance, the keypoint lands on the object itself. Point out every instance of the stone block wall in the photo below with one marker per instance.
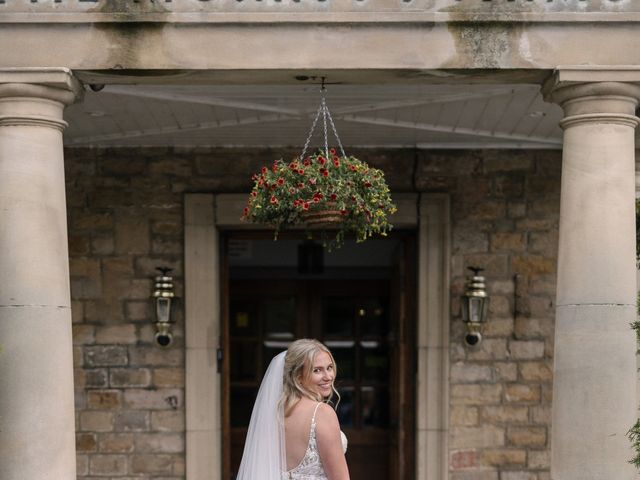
(125, 219)
(505, 210)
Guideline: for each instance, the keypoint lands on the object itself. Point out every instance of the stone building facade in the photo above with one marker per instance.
(552, 222)
(125, 218)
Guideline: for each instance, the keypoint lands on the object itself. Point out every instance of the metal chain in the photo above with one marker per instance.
(313, 127)
(324, 122)
(335, 132)
(324, 109)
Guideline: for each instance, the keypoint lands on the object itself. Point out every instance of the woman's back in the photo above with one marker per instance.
(297, 427)
(314, 446)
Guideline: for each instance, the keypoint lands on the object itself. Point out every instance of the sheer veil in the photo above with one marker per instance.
(264, 454)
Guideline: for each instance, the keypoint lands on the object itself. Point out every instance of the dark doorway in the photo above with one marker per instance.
(357, 304)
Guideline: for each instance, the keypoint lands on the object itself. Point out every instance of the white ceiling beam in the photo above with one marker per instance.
(222, 102)
(417, 102)
(151, 132)
(449, 129)
(198, 99)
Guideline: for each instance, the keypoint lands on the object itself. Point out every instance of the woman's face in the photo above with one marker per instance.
(320, 380)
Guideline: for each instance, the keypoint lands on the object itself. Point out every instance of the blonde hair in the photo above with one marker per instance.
(298, 365)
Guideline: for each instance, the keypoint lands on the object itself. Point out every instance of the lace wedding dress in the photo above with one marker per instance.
(310, 467)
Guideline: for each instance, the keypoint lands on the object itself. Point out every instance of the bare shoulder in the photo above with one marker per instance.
(326, 417)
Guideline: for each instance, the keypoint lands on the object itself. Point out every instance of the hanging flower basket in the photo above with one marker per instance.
(329, 192)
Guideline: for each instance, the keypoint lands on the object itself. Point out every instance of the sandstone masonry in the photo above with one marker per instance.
(125, 219)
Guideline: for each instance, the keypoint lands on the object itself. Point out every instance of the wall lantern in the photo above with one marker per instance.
(165, 301)
(475, 306)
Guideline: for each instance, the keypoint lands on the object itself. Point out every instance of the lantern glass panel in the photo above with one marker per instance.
(476, 309)
(163, 309)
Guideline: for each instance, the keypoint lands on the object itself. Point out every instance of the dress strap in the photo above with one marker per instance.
(313, 420)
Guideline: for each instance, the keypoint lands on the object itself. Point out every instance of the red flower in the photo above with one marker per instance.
(336, 163)
(353, 167)
(280, 181)
(300, 185)
(292, 190)
(293, 165)
(316, 199)
(333, 196)
(306, 162)
(367, 184)
(312, 181)
(325, 173)
(246, 211)
(301, 171)
(321, 160)
(332, 151)
(305, 206)
(274, 169)
(273, 200)
(265, 169)
(254, 194)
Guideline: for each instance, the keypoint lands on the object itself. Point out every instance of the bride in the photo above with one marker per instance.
(293, 433)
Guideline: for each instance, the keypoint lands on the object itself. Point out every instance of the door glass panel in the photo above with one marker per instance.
(375, 361)
(375, 318)
(243, 319)
(375, 407)
(338, 315)
(279, 317)
(242, 399)
(243, 360)
(344, 353)
(345, 408)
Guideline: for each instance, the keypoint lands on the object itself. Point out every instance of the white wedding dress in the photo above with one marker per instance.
(310, 467)
(264, 449)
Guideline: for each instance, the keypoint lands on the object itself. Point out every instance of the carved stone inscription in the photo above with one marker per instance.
(141, 7)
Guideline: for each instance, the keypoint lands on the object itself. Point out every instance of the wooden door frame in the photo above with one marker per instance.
(205, 215)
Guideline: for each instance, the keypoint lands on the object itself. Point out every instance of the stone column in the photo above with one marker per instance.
(594, 395)
(37, 427)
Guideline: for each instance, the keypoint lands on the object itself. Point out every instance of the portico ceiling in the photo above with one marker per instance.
(386, 115)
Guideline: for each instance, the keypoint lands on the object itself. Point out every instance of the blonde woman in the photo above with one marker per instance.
(293, 433)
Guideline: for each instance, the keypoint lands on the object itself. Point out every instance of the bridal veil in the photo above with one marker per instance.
(264, 453)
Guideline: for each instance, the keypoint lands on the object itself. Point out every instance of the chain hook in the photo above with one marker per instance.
(323, 111)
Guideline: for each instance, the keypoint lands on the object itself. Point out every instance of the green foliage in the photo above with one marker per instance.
(634, 437)
(283, 193)
(634, 432)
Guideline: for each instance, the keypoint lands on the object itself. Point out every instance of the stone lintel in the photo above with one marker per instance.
(59, 83)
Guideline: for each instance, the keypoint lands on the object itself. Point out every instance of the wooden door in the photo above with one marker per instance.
(365, 324)
(354, 320)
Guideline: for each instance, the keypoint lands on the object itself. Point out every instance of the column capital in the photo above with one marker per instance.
(593, 94)
(57, 84)
(37, 96)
